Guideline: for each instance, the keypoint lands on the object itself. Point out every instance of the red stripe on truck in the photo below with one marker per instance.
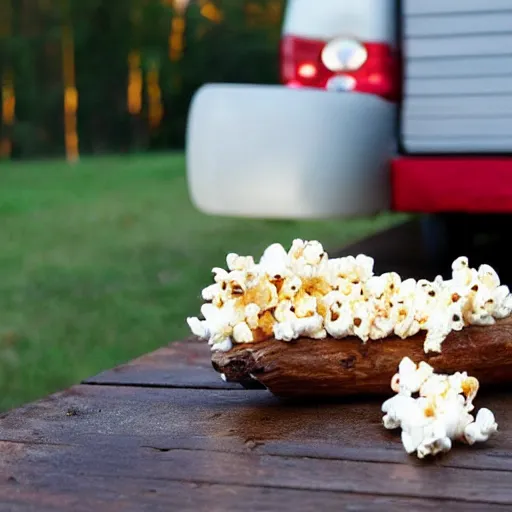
(452, 184)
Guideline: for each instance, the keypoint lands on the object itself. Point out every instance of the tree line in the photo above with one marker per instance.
(116, 76)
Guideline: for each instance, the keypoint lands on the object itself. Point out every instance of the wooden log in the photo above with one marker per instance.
(335, 368)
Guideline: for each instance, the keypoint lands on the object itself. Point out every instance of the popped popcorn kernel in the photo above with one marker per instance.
(439, 414)
(265, 327)
(302, 293)
(242, 333)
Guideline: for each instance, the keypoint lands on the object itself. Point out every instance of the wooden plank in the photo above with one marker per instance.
(50, 492)
(122, 460)
(236, 439)
(237, 422)
(182, 364)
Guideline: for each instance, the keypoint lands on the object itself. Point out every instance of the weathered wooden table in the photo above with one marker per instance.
(164, 432)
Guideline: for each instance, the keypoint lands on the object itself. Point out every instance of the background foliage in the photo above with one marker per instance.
(223, 41)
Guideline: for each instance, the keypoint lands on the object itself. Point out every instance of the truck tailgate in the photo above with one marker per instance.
(457, 76)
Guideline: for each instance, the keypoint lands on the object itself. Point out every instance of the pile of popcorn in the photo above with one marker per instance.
(303, 293)
(433, 410)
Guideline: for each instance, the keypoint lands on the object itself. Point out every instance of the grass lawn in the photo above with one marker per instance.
(103, 261)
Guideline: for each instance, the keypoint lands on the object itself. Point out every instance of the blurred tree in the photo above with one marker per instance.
(70, 90)
(8, 97)
(137, 64)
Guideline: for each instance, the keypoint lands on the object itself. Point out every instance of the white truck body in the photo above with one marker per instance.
(301, 151)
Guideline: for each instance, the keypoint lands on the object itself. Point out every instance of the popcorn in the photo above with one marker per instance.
(440, 323)
(274, 262)
(362, 320)
(338, 315)
(410, 377)
(440, 414)
(252, 312)
(483, 427)
(406, 324)
(488, 277)
(502, 302)
(303, 293)
(290, 326)
(461, 273)
(242, 333)
(236, 262)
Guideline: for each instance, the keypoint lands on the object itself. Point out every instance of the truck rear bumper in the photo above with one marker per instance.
(452, 184)
(266, 151)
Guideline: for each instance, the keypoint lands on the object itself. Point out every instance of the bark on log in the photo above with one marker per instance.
(337, 368)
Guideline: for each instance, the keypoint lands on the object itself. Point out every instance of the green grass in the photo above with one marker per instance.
(102, 262)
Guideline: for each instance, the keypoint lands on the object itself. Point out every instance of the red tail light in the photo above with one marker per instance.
(302, 66)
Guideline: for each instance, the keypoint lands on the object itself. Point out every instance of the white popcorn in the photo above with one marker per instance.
(362, 321)
(284, 312)
(252, 312)
(236, 262)
(290, 288)
(348, 270)
(284, 331)
(313, 253)
(381, 327)
(441, 321)
(364, 266)
(462, 274)
(488, 277)
(223, 346)
(376, 286)
(480, 309)
(274, 261)
(289, 326)
(303, 293)
(439, 414)
(502, 305)
(242, 333)
(307, 259)
(407, 288)
(305, 305)
(198, 327)
(406, 324)
(382, 321)
(483, 427)
(338, 317)
(410, 377)
(210, 292)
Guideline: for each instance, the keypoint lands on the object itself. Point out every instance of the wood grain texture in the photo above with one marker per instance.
(137, 439)
(182, 364)
(274, 472)
(236, 422)
(50, 492)
(333, 368)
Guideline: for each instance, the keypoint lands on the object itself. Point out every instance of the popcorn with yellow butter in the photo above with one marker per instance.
(434, 410)
(302, 293)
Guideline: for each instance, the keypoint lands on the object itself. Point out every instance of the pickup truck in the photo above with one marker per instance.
(398, 105)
